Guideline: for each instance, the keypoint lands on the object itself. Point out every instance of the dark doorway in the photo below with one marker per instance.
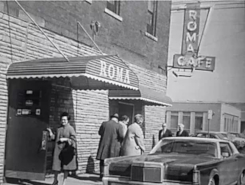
(26, 139)
(127, 109)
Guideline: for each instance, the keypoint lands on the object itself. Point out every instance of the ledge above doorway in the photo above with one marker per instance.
(147, 95)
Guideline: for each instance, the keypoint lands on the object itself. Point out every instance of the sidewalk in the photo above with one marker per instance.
(81, 179)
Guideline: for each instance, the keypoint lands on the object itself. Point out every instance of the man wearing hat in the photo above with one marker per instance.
(164, 132)
(181, 132)
(109, 145)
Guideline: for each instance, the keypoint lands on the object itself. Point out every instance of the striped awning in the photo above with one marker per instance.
(149, 96)
(88, 72)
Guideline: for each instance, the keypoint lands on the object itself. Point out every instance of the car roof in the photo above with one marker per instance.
(214, 140)
(210, 132)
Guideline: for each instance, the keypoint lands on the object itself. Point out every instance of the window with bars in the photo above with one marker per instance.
(152, 17)
(113, 6)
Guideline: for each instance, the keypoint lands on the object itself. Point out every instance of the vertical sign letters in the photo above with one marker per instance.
(191, 29)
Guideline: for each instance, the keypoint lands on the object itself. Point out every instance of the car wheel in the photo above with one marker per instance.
(211, 182)
(241, 180)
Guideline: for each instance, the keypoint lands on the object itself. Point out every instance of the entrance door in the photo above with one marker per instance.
(126, 109)
(26, 140)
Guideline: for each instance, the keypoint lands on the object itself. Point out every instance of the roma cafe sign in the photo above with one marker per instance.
(187, 59)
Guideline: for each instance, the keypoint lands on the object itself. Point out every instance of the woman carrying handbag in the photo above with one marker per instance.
(64, 158)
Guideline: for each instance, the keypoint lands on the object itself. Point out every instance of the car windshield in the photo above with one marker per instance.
(186, 147)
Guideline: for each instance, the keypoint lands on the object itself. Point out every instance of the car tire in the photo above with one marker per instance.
(212, 182)
(241, 180)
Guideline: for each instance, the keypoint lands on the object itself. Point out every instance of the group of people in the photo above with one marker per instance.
(164, 132)
(117, 138)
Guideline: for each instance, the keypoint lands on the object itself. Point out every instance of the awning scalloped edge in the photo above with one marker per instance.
(72, 75)
(140, 98)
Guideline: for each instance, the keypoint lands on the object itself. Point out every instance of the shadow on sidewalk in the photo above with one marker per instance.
(24, 182)
(87, 178)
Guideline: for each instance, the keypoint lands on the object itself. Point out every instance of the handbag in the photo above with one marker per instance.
(67, 154)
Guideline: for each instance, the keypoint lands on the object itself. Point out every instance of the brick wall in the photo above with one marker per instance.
(150, 79)
(91, 109)
(20, 41)
(154, 116)
(126, 38)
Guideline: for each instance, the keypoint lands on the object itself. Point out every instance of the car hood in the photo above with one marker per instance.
(174, 164)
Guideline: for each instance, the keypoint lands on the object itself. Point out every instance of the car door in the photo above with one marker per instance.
(228, 170)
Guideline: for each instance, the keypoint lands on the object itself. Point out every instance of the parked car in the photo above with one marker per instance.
(182, 161)
(211, 134)
(241, 135)
(238, 142)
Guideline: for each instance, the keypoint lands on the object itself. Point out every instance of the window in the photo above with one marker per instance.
(152, 17)
(198, 121)
(186, 147)
(225, 150)
(114, 6)
(187, 120)
(174, 121)
(230, 123)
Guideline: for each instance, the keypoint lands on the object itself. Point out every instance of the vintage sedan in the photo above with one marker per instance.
(180, 161)
(237, 141)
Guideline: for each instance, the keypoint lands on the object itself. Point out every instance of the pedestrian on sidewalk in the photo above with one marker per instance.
(123, 121)
(109, 145)
(181, 132)
(133, 143)
(164, 132)
(64, 158)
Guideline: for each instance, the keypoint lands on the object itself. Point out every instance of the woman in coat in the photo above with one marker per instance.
(64, 158)
(181, 132)
(133, 143)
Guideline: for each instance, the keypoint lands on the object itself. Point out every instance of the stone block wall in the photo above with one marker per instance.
(127, 37)
(154, 116)
(91, 109)
(20, 41)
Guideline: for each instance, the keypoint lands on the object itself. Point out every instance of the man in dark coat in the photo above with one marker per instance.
(111, 134)
(164, 132)
(181, 132)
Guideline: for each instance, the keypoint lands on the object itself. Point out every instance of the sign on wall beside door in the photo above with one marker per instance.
(29, 102)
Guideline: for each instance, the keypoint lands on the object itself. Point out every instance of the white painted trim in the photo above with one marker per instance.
(89, 1)
(151, 36)
(111, 13)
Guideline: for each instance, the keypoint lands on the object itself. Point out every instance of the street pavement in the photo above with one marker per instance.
(82, 179)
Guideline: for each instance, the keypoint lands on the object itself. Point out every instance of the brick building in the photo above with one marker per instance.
(133, 35)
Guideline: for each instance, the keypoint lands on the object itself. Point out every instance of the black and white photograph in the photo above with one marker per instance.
(122, 92)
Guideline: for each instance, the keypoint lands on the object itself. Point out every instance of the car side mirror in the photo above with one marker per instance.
(225, 154)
